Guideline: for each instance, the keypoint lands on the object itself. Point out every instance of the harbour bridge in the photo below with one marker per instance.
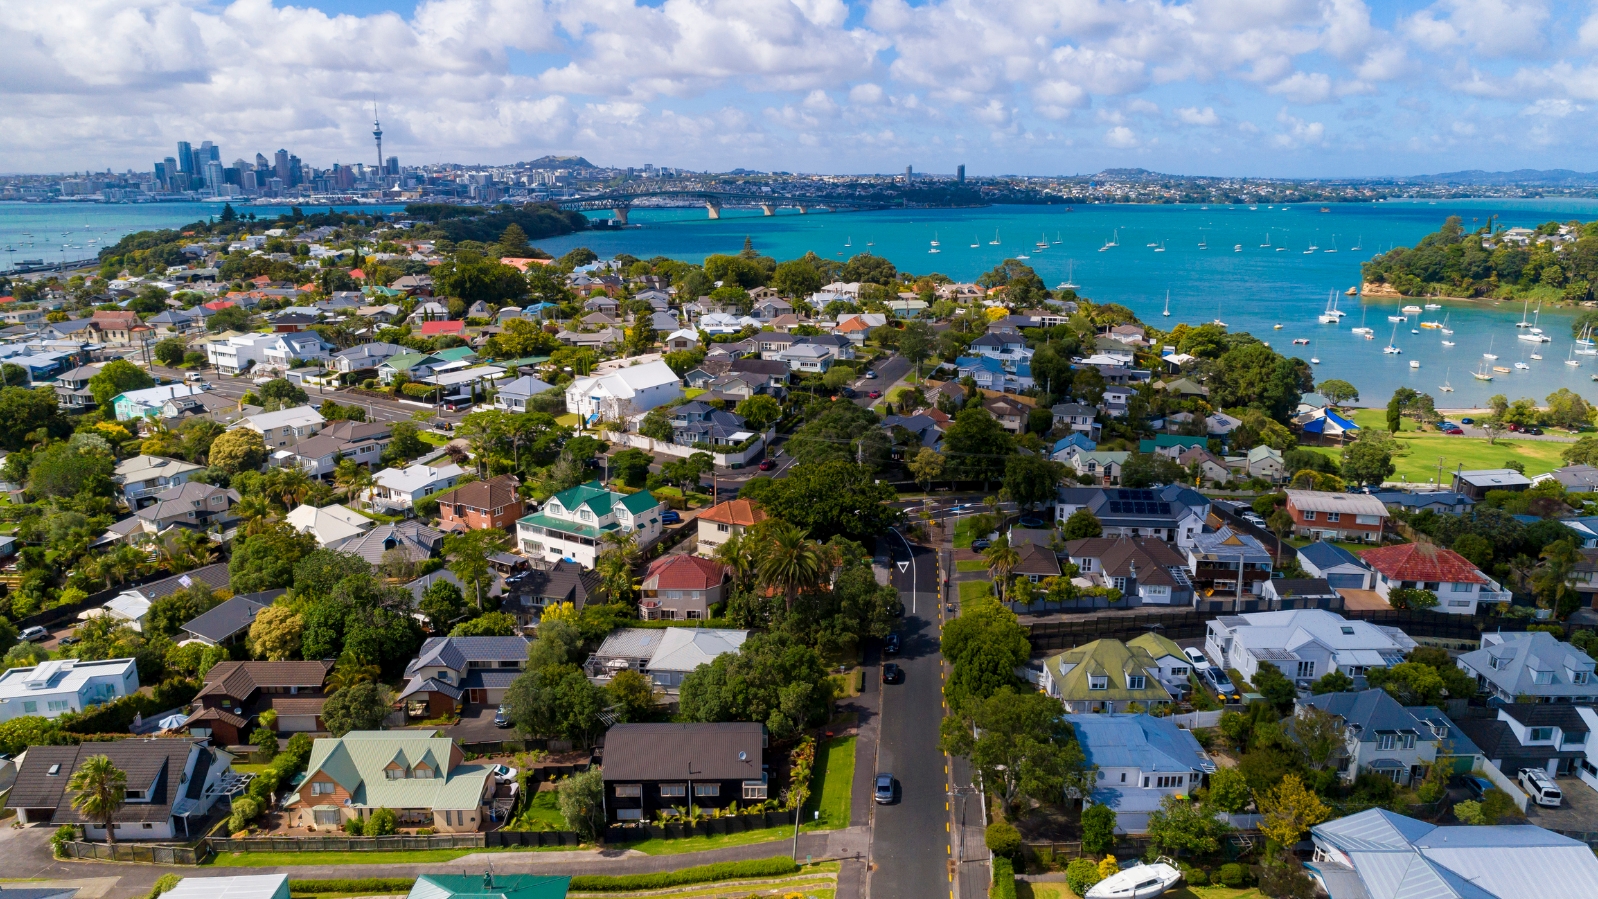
(620, 202)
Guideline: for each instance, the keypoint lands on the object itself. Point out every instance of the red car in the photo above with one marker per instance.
(767, 464)
(1512, 427)
(875, 394)
(1455, 431)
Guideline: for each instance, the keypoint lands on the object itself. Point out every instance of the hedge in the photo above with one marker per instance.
(377, 885)
(1003, 878)
(612, 883)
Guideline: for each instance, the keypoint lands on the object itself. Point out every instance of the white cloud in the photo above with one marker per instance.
(1121, 137)
(1189, 115)
(1304, 88)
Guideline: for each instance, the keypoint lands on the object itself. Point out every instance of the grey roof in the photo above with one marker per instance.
(1368, 712)
(494, 679)
(631, 643)
(456, 652)
(1581, 477)
(214, 575)
(1518, 653)
(1562, 715)
(682, 751)
(524, 386)
(1493, 478)
(417, 540)
(1325, 556)
(1227, 545)
(146, 762)
(227, 619)
(562, 582)
(428, 685)
(1303, 586)
(1423, 500)
(1400, 858)
(1138, 741)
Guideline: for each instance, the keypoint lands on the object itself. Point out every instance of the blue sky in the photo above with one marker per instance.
(1227, 87)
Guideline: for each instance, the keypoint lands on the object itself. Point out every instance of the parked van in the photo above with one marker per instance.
(1540, 787)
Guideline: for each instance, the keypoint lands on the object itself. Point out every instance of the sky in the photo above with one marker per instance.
(1292, 88)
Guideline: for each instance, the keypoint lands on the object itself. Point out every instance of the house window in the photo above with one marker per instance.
(57, 705)
(723, 528)
(629, 791)
(1407, 740)
(586, 515)
(1167, 782)
(1306, 669)
(1574, 740)
(1457, 587)
(673, 791)
(1542, 735)
(629, 814)
(1578, 677)
(1334, 517)
(321, 789)
(706, 790)
(1179, 671)
(1136, 682)
(1098, 682)
(423, 772)
(1309, 516)
(29, 707)
(1542, 677)
(394, 773)
(1386, 742)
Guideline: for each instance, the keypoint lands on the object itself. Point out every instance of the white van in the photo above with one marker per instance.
(1540, 787)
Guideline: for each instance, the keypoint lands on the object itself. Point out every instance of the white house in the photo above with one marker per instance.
(328, 524)
(400, 488)
(513, 397)
(1140, 760)
(239, 352)
(53, 688)
(572, 524)
(147, 403)
(1305, 644)
(1458, 585)
(1531, 664)
(285, 426)
(623, 393)
(142, 477)
(306, 345)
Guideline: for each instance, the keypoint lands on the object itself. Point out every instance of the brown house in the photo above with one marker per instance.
(120, 328)
(235, 694)
(481, 504)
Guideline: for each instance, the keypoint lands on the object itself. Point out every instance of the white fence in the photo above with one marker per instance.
(1502, 782)
(722, 460)
(1197, 719)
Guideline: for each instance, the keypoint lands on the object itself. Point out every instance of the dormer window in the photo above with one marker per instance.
(1136, 682)
(1098, 682)
(422, 772)
(1542, 677)
(1540, 735)
(1348, 631)
(586, 515)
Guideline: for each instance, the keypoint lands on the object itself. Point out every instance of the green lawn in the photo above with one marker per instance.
(398, 857)
(971, 565)
(431, 439)
(700, 844)
(543, 813)
(1418, 458)
(972, 590)
(963, 534)
(831, 787)
(569, 420)
(691, 392)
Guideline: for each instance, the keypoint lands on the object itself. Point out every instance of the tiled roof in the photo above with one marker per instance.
(1422, 562)
(725, 751)
(734, 511)
(456, 653)
(494, 493)
(684, 572)
(240, 680)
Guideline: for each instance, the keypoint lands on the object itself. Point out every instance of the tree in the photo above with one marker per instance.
(977, 446)
(513, 242)
(1150, 469)
(1031, 481)
(1002, 839)
(360, 707)
(1098, 828)
(1272, 684)
(473, 278)
(170, 352)
(556, 701)
(468, 554)
(1338, 391)
(1469, 811)
(1081, 874)
(1567, 409)
(759, 411)
(266, 560)
(1002, 559)
(1368, 460)
(442, 603)
(915, 344)
(1317, 735)
(99, 790)
(773, 679)
(1554, 577)
(631, 466)
(1334, 681)
(1082, 524)
(984, 645)
(1181, 826)
(168, 614)
(581, 799)
(828, 499)
(1411, 598)
(632, 695)
(1411, 683)
(1229, 791)
(796, 278)
(63, 470)
(239, 450)
(116, 378)
(382, 823)
(351, 670)
(1290, 809)
(1023, 747)
(25, 413)
(789, 562)
(265, 743)
(492, 624)
(925, 466)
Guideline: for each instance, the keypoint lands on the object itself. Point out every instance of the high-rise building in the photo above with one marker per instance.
(959, 173)
(296, 175)
(213, 174)
(208, 152)
(185, 158)
(908, 174)
(392, 166)
(261, 164)
(281, 167)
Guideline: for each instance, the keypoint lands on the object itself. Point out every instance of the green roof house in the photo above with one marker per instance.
(489, 885)
(415, 366)
(421, 777)
(1172, 663)
(1170, 445)
(1104, 676)
(572, 525)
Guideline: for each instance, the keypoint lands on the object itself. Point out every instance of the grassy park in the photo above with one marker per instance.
(1417, 460)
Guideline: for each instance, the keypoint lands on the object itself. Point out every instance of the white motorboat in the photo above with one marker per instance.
(1522, 366)
(1414, 364)
(1140, 882)
(1433, 306)
(1448, 343)
(1411, 310)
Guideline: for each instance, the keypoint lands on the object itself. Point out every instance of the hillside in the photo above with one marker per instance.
(1555, 263)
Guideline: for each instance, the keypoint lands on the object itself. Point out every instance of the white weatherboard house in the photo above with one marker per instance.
(572, 525)
(285, 426)
(400, 488)
(1140, 760)
(623, 393)
(53, 688)
(1305, 644)
(1534, 665)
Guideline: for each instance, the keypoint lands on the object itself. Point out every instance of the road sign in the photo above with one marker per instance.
(903, 566)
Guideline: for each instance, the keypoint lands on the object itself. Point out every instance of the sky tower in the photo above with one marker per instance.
(377, 132)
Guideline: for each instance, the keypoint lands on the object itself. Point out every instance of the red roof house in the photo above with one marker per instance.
(358, 274)
(219, 305)
(435, 328)
(1456, 582)
(682, 587)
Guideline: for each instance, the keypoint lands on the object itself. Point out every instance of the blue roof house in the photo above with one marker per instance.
(1141, 760)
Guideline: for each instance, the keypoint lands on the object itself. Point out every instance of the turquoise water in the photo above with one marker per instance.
(1252, 289)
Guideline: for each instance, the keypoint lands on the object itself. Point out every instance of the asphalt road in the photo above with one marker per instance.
(889, 371)
(910, 853)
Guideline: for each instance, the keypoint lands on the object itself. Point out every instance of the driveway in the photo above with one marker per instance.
(1577, 814)
(477, 726)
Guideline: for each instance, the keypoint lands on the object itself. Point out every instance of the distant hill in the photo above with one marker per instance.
(560, 162)
(1549, 177)
(1131, 175)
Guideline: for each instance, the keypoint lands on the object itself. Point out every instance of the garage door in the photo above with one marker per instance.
(1346, 581)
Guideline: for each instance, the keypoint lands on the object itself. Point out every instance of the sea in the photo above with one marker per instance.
(1248, 266)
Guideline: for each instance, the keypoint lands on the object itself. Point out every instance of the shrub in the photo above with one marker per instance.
(1469, 812)
(354, 827)
(622, 883)
(424, 831)
(1098, 829)
(1195, 877)
(265, 743)
(244, 811)
(263, 786)
(1081, 875)
(162, 884)
(354, 885)
(382, 823)
(1232, 874)
(1003, 879)
(64, 834)
(1003, 839)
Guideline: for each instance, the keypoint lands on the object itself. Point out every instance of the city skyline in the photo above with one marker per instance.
(1291, 89)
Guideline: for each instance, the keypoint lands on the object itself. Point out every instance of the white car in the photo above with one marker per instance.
(503, 773)
(1540, 787)
(33, 634)
(1196, 656)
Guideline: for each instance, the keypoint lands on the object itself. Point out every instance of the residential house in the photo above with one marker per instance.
(1212, 469)
(681, 587)
(1475, 484)
(528, 593)
(572, 523)
(329, 524)
(1174, 513)
(990, 374)
(119, 328)
(513, 397)
(922, 430)
(1147, 570)
(147, 403)
(448, 671)
(1306, 644)
(142, 477)
(133, 603)
(1007, 347)
(1556, 738)
(229, 622)
(285, 426)
(424, 779)
(1532, 667)
(1458, 585)
(1378, 853)
(698, 424)
(52, 688)
(221, 409)
(72, 388)
(1260, 462)
(295, 320)
(1078, 417)
(1352, 517)
(1300, 593)
(250, 886)
(1171, 446)
(239, 352)
(1104, 676)
(172, 784)
(769, 309)
(1341, 568)
(493, 503)
(1574, 478)
(726, 520)
(228, 708)
(1011, 414)
(1380, 736)
(1228, 563)
(319, 456)
(664, 655)
(1140, 760)
(1067, 448)
(807, 357)
(624, 392)
(595, 340)
(400, 488)
(366, 357)
(765, 376)
(411, 538)
(680, 340)
(190, 505)
(1174, 668)
(1443, 502)
(414, 366)
(1100, 465)
(653, 768)
(295, 350)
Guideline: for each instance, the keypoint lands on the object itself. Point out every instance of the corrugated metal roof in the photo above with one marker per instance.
(356, 762)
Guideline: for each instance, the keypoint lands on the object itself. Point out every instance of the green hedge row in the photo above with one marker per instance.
(354, 885)
(760, 867)
(1003, 878)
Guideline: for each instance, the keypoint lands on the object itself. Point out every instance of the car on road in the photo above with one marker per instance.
(883, 793)
(33, 634)
(870, 375)
(456, 407)
(69, 640)
(1467, 421)
(892, 673)
(1454, 430)
(846, 392)
(263, 380)
(1532, 430)
(503, 773)
(980, 544)
(501, 717)
(670, 516)
(875, 394)
(890, 645)
(1253, 518)
(768, 464)
(1540, 787)
(1197, 657)
(1223, 685)
(194, 377)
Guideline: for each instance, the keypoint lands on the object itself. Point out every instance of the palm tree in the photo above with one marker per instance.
(352, 670)
(256, 512)
(1002, 559)
(355, 479)
(615, 564)
(790, 562)
(292, 485)
(99, 790)
(738, 555)
(1552, 578)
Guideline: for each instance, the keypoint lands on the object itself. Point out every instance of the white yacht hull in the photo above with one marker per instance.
(1141, 882)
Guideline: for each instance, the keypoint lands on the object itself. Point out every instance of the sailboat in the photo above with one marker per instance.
(1217, 320)
(1160, 248)
(848, 242)
(1070, 284)
(1489, 353)
(1332, 315)
(870, 242)
(995, 241)
(1057, 237)
(934, 239)
(975, 241)
(1312, 248)
(1237, 248)
(1482, 374)
(1356, 247)
(1203, 245)
(1445, 329)
(1267, 244)
(1584, 343)
(1315, 354)
(1523, 309)
(1043, 243)
(1434, 306)
(1167, 312)
(1447, 387)
(1534, 333)
(1392, 347)
(1572, 361)
(1334, 245)
(1362, 330)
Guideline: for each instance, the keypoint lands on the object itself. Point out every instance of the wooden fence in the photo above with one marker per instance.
(535, 838)
(1233, 845)
(335, 843)
(137, 852)
(712, 827)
